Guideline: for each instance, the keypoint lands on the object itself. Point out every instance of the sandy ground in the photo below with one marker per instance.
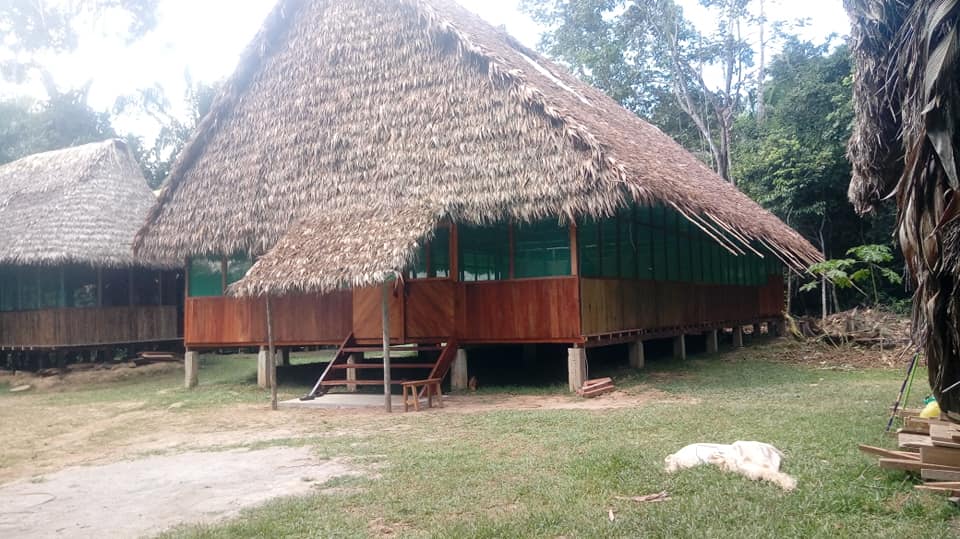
(147, 468)
(149, 495)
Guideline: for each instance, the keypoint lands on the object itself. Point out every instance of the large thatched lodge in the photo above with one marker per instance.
(409, 142)
(69, 280)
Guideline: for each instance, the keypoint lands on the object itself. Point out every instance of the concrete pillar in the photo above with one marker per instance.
(637, 358)
(738, 337)
(712, 342)
(352, 373)
(458, 372)
(576, 367)
(284, 359)
(263, 372)
(191, 369)
(680, 347)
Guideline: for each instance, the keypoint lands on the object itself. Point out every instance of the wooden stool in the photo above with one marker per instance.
(432, 388)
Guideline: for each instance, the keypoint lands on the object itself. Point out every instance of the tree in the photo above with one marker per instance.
(639, 52)
(175, 129)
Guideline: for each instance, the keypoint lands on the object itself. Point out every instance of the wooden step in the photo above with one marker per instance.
(397, 348)
(345, 366)
(359, 382)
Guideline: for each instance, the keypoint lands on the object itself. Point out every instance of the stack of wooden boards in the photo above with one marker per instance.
(928, 447)
(596, 387)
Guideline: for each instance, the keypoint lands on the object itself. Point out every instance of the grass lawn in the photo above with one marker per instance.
(557, 473)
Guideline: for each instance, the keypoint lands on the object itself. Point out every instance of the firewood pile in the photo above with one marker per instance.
(596, 387)
(929, 448)
(873, 328)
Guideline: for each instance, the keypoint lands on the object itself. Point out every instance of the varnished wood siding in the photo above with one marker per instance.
(76, 327)
(517, 311)
(426, 312)
(297, 319)
(611, 305)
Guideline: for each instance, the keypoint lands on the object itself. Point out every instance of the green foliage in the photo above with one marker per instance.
(865, 264)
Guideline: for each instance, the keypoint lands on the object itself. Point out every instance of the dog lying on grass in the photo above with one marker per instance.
(755, 460)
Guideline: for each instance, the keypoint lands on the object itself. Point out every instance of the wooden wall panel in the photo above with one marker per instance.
(68, 327)
(297, 319)
(612, 305)
(520, 310)
(430, 309)
(368, 316)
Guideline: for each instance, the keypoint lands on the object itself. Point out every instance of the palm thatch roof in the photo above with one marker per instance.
(79, 205)
(906, 143)
(346, 119)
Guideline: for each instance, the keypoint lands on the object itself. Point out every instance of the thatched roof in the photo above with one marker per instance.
(78, 205)
(348, 118)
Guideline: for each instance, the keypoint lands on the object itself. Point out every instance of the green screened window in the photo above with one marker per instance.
(237, 266)
(609, 256)
(588, 236)
(437, 264)
(146, 287)
(29, 291)
(116, 287)
(484, 253)
(8, 288)
(541, 249)
(696, 258)
(206, 277)
(80, 286)
(628, 245)
(48, 287)
(643, 236)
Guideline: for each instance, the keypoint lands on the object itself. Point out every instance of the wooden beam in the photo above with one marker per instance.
(574, 251)
(454, 253)
(385, 312)
(223, 275)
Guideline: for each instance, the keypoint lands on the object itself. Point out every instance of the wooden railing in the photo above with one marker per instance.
(80, 327)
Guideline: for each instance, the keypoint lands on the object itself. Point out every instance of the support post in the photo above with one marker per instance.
(756, 331)
(385, 313)
(637, 356)
(459, 379)
(285, 357)
(713, 344)
(576, 367)
(272, 359)
(352, 373)
(263, 369)
(680, 347)
(738, 337)
(191, 369)
(776, 328)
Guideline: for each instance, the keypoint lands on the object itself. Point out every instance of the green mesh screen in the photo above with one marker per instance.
(484, 253)
(643, 235)
(587, 241)
(205, 277)
(80, 286)
(48, 287)
(684, 250)
(609, 248)
(146, 287)
(541, 249)
(8, 288)
(696, 258)
(437, 263)
(671, 242)
(628, 246)
(29, 291)
(116, 287)
(237, 267)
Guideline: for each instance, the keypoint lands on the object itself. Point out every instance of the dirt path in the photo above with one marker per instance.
(146, 496)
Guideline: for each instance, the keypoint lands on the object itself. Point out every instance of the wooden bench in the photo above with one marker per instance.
(412, 388)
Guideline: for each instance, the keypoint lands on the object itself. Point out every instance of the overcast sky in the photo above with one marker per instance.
(207, 36)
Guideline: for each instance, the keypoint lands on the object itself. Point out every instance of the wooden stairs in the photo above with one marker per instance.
(407, 362)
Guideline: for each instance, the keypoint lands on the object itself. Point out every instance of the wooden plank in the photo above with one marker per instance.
(379, 366)
(913, 441)
(930, 474)
(889, 453)
(912, 465)
(937, 490)
(533, 310)
(940, 455)
(945, 484)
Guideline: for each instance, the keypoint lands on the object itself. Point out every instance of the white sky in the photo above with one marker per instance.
(194, 36)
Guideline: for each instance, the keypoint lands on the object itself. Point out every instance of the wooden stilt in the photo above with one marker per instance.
(385, 311)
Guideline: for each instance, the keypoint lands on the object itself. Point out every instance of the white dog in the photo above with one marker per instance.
(755, 460)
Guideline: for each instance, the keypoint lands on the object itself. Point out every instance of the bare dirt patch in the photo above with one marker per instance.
(149, 495)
